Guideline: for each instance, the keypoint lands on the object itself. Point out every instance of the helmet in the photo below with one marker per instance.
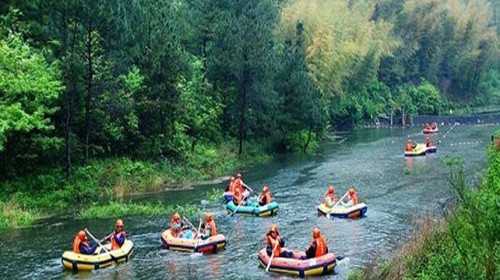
(274, 228)
(232, 179)
(331, 189)
(316, 232)
(176, 217)
(351, 191)
(265, 189)
(119, 223)
(238, 175)
(208, 216)
(82, 235)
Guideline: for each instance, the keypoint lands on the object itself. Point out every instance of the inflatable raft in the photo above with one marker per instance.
(298, 267)
(420, 150)
(340, 211)
(74, 261)
(208, 246)
(254, 209)
(430, 130)
(431, 149)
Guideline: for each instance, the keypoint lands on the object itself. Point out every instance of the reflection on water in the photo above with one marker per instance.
(394, 188)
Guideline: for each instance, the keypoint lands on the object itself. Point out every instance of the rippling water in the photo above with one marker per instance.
(395, 189)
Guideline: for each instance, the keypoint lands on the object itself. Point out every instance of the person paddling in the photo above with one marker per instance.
(209, 229)
(329, 199)
(318, 246)
(265, 196)
(238, 183)
(238, 197)
(117, 237)
(176, 225)
(230, 186)
(409, 146)
(81, 245)
(275, 243)
(353, 198)
(428, 142)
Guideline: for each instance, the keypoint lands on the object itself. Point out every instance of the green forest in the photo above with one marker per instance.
(102, 98)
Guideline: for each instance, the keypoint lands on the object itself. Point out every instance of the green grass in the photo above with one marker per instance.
(24, 199)
(116, 209)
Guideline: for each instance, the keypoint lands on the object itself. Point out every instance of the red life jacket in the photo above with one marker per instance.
(230, 188)
(321, 247)
(238, 198)
(114, 244)
(271, 241)
(238, 184)
(174, 232)
(409, 147)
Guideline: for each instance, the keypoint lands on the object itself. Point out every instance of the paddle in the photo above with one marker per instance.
(199, 227)
(232, 214)
(328, 214)
(341, 260)
(272, 255)
(95, 239)
(246, 186)
(107, 237)
(189, 223)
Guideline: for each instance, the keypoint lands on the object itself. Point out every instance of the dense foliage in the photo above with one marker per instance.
(174, 80)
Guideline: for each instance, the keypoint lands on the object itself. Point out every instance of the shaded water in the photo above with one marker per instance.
(394, 188)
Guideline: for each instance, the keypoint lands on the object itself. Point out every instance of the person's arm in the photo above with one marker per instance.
(311, 250)
(88, 250)
(120, 238)
(282, 242)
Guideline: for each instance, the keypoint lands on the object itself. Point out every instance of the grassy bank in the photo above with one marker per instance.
(94, 190)
(465, 245)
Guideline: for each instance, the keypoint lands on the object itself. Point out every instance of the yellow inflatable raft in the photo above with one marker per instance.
(207, 246)
(340, 211)
(420, 150)
(74, 261)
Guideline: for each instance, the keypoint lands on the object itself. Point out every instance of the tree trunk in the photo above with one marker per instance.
(243, 107)
(88, 98)
(308, 139)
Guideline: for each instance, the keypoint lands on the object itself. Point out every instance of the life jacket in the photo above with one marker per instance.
(321, 247)
(175, 232)
(430, 144)
(238, 184)
(230, 188)
(331, 196)
(76, 245)
(272, 242)
(433, 125)
(238, 199)
(265, 198)
(409, 147)
(213, 228)
(354, 198)
(114, 244)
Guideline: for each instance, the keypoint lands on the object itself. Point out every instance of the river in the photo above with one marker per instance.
(395, 190)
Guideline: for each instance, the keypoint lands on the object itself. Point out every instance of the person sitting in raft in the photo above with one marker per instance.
(81, 245)
(209, 229)
(238, 197)
(409, 146)
(265, 196)
(353, 198)
(428, 142)
(117, 238)
(238, 183)
(317, 247)
(230, 186)
(427, 126)
(271, 238)
(330, 197)
(176, 225)
(433, 125)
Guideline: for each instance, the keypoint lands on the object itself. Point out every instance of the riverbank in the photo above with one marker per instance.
(464, 245)
(97, 189)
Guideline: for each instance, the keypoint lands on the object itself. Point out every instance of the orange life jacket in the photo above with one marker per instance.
(409, 147)
(238, 184)
(321, 247)
(114, 244)
(213, 228)
(354, 198)
(271, 241)
(76, 245)
(174, 232)
(230, 188)
(238, 198)
(331, 196)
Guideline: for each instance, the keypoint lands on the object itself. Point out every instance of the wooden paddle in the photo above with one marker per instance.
(95, 239)
(189, 223)
(272, 255)
(328, 214)
(246, 186)
(107, 237)
(232, 214)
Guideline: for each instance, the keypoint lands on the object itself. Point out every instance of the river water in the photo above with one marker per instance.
(395, 189)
